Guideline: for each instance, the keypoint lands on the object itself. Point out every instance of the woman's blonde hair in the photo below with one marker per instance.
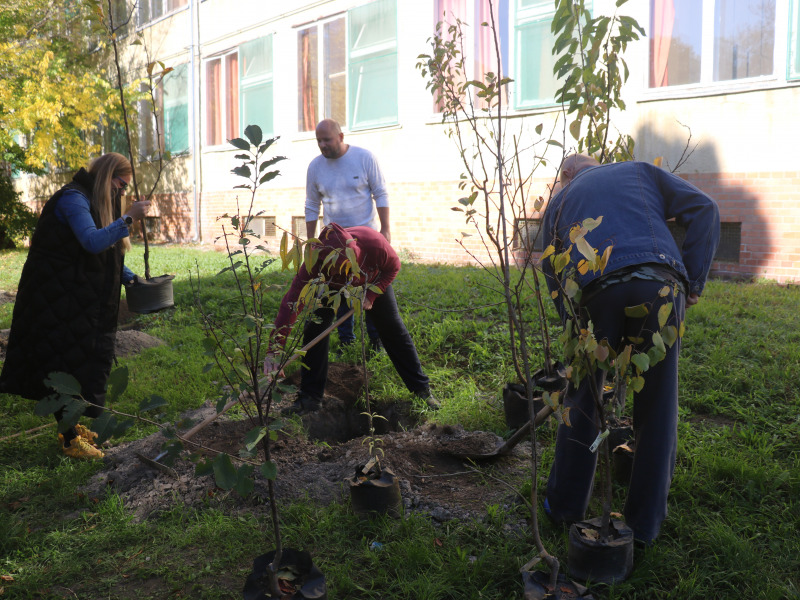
(105, 168)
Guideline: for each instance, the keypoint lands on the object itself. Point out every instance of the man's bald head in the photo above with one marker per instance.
(330, 139)
(574, 164)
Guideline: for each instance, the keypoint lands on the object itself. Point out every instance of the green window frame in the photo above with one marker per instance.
(176, 110)
(793, 58)
(256, 94)
(372, 65)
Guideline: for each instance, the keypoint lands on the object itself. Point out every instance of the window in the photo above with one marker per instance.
(347, 68)
(121, 15)
(152, 10)
(175, 109)
(794, 41)
(263, 227)
(255, 84)
(730, 240)
(372, 64)
(299, 227)
(533, 56)
(704, 41)
(170, 132)
(532, 67)
(526, 235)
(327, 63)
(222, 99)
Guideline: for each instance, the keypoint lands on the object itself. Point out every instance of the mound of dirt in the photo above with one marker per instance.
(434, 479)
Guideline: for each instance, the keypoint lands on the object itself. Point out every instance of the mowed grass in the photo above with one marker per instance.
(734, 511)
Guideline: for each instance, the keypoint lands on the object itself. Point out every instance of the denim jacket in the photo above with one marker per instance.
(635, 200)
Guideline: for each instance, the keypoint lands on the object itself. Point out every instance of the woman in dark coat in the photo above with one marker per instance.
(65, 314)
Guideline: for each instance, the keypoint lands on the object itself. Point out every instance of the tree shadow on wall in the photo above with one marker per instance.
(748, 233)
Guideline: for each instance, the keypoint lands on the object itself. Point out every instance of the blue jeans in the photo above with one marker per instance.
(655, 417)
(391, 331)
(346, 335)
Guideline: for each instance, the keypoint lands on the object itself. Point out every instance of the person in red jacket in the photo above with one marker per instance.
(378, 265)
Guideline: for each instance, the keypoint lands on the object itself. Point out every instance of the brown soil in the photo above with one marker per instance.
(315, 462)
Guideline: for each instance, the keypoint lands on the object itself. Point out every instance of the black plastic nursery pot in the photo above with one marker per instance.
(375, 493)
(515, 405)
(150, 295)
(600, 561)
(303, 581)
(537, 587)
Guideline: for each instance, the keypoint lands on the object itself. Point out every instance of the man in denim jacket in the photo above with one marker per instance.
(636, 200)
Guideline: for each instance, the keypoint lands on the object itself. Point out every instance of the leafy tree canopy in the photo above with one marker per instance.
(53, 94)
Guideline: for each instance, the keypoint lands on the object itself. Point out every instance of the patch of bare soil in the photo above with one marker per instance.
(434, 479)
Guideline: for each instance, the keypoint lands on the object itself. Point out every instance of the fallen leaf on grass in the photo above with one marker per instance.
(7, 578)
(437, 542)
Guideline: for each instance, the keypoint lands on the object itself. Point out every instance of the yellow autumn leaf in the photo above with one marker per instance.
(663, 314)
(548, 252)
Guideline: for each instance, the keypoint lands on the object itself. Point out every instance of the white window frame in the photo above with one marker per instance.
(707, 86)
(323, 109)
(165, 12)
(224, 108)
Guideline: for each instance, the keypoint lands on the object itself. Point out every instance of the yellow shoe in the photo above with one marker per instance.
(80, 448)
(86, 433)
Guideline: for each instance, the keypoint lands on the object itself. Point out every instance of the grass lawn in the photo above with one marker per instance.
(734, 509)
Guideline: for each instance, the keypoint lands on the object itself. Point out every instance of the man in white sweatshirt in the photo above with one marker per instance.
(347, 183)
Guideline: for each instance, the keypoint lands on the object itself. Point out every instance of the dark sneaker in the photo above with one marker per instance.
(429, 398)
(302, 405)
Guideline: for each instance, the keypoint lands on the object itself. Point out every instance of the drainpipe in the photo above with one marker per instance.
(194, 21)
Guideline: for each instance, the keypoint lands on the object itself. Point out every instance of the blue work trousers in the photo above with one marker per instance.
(346, 335)
(655, 415)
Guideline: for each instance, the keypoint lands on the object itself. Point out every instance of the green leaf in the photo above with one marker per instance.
(663, 314)
(242, 171)
(571, 288)
(117, 383)
(658, 342)
(240, 144)
(637, 383)
(203, 468)
(151, 403)
(637, 312)
(670, 335)
(104, 426)
(244, 480)
(63, 383)
(252, 133)
(268, 176)
(48, 405)
(254, 436)
(642, 362)
(224, 472)
(269, 470)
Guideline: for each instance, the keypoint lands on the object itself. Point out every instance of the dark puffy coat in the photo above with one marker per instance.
(65, 314)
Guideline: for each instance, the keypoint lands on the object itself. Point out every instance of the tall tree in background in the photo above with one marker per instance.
(51, 91)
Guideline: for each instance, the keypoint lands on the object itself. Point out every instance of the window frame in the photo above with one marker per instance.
(250, 83)
(166, 11)
(793, 42)
(323, 108)
(364, 56)
(779, 78)
(226, 129)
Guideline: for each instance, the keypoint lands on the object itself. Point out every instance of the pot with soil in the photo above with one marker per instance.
(593, 557)
(298, 578)
(375, 491)
(150, 295)
(515, 405)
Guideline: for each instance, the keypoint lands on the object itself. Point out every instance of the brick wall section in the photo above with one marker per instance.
(767, 204)
(424, 226)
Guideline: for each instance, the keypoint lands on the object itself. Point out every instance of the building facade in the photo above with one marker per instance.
(714, 86)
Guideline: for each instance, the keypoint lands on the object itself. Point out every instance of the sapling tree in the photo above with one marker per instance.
(499, 169)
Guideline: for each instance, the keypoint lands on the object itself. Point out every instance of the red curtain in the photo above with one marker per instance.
(448, 11)
(486, 57)
(663, 21)
(308, 98)
(232, 98)
(213, 104)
